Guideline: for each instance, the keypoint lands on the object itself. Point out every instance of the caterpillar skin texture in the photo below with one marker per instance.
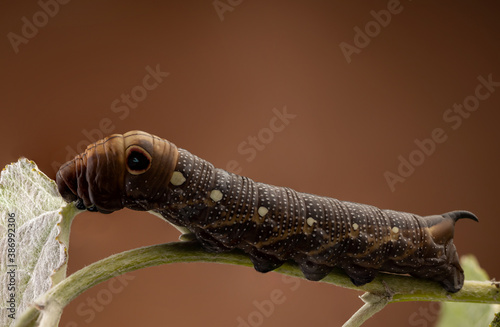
(271, 224)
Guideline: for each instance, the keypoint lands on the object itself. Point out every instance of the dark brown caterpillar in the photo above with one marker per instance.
(272, 224)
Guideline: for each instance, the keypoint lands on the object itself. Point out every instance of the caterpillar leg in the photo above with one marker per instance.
(360, 275)
(447, 272)
(313, 271)
(455, 280)
(454, 283)
(263, 262)
(79, 204)
(209, 242)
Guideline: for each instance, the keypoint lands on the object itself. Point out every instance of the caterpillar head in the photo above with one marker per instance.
(129, 170)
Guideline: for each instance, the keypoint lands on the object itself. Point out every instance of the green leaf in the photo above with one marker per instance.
(34, 235)
(468, 314)
(496, 320)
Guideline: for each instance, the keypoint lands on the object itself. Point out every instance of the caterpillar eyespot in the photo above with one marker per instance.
(138, 160)
(271, 224)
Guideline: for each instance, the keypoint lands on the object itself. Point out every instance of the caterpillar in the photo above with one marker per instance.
(271, 224)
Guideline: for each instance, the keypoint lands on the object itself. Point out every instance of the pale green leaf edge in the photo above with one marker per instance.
(46, 188)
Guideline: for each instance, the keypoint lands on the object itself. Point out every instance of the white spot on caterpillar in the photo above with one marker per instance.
(262, 211)
(395, 230)
(355, 226)
(216, 195)
(310, 221)
(177, 178)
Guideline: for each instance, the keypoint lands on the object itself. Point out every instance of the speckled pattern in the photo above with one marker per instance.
(272, 224)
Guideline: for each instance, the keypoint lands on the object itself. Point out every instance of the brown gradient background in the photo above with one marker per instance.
(353, 121)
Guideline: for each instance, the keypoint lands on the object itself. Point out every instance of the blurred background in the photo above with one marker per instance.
(394, 104)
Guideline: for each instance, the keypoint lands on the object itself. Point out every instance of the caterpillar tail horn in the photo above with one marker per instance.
(460, 214)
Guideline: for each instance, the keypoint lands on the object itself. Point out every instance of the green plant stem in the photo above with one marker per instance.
(373, 304)
(395, 288)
